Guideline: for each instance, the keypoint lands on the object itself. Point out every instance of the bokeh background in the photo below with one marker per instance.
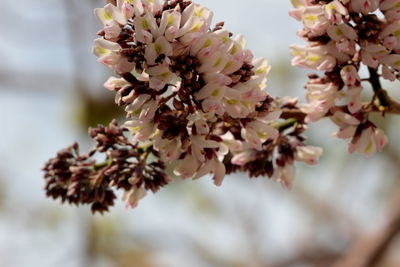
(51, 91)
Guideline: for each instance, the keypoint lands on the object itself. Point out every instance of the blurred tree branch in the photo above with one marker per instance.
(370, 250)
(315, 257)
(325, 209)
(93, 108)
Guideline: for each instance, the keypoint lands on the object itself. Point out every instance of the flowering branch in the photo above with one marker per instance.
(196, 102)
(194, 96)
(393, 107)
(80, 179)
(343, 36)
(386, 103)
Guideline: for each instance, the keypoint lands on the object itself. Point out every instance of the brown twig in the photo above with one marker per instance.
(393, 106)
(293, 114)
(380, 93)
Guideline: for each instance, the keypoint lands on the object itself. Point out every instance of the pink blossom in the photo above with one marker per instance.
(364, 6)
(371, 141)
(388, 73)
(187, 167)
(350, 75)
(308, 154)
(316, 58)
(392, 60)
(133, 196)
(244, 157)
(285, 175)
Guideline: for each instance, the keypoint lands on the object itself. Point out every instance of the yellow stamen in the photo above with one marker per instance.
(311, 18)
(228, 65)
(170, 20)
(314, 58)
(339, 31)
(135, 129)
(369, 147)
(231, 101)
(262, 70)
(216, 92)
(218, 62)
(196, 27)
(100, 50)
(145, 24)
(207, 43)
(199, 12)
(107, 16)
(158, 48)
(262, 135)
(234, 50)
(165, 74)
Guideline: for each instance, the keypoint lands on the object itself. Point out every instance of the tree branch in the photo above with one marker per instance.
(293, 114)
(380, 93)
(393, 107)
(386, 104)
(369, 251)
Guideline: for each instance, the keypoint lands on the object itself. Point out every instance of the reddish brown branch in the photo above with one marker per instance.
(394, 106)
(293, 114)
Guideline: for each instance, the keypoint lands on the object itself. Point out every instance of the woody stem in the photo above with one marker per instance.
(380, 93)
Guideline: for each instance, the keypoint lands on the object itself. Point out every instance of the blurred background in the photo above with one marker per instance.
(51, 91)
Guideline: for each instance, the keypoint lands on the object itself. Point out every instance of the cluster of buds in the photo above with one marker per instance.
(343, 38)
(195, 101)
(81, 179)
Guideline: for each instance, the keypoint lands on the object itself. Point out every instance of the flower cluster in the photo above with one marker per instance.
(344, 37)
(195, 101)
(80, 179)
(188, 78)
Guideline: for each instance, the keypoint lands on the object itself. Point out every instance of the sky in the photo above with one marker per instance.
(35, 35)
(36, 122)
